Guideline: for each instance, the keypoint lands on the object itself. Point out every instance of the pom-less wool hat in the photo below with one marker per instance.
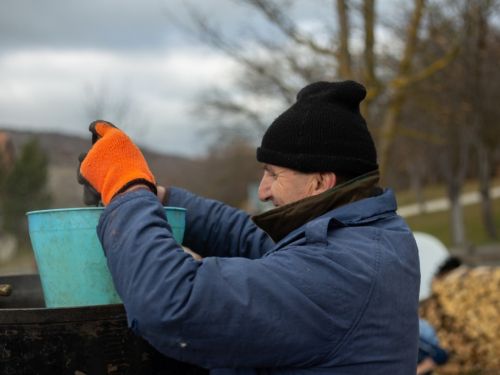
(322, 132)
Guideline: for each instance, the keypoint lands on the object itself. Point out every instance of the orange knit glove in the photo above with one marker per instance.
(114, 163)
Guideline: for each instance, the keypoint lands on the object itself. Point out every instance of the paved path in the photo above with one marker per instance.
(443, 204)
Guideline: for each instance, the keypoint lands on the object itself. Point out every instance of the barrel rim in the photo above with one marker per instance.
(56, 315)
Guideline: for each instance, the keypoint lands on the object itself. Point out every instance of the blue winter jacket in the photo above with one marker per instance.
(339, 295)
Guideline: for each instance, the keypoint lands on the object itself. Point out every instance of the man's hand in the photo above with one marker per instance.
(114, 163)
(426, 366)
(162, 194)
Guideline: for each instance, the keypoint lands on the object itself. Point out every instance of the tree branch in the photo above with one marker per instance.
(343, 55)
(369, 76)
(411, 40)
(214, 38)
(287, 26)
(436, 66)
(423, 136)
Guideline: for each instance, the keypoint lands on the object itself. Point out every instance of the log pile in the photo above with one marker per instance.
(465, 310)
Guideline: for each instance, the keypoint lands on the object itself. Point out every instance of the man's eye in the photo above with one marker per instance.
(267, 173)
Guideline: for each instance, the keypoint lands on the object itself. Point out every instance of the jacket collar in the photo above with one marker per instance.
(281, 221)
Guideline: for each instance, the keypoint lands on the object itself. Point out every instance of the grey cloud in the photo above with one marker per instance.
(82, 24)
(131, 44)
(109, 24)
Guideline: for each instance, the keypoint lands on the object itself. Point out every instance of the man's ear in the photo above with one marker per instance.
(326, 180)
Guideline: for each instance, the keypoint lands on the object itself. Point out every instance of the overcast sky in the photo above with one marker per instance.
(61, 62)
(58, 58)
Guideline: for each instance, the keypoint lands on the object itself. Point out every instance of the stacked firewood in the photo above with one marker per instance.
(465, 310)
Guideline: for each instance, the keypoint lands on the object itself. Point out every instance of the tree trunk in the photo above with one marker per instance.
(416, 173)
(390, 124)
(485, 172)
(458, 234)
(369, 79)
(344, 56)
(484, 167)
(388, 132)
(453, 164)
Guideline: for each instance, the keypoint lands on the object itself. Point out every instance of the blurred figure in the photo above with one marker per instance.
(430, 354)
(448, 265)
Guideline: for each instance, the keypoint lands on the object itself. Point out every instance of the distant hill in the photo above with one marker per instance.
(63, 151)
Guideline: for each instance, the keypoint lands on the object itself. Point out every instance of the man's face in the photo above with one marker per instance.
(282, 185)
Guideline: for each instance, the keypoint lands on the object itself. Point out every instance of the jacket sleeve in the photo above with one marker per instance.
(215, 229)
(218, 312)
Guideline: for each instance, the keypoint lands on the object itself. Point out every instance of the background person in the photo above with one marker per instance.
(430, 354)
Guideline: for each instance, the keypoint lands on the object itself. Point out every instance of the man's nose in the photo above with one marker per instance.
(264, 192)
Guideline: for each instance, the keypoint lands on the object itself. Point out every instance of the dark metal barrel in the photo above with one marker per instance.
(76, 340)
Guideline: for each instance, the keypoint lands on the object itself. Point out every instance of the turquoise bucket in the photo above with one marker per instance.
(70, 259)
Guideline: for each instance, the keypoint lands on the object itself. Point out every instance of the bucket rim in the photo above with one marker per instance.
(89, 209)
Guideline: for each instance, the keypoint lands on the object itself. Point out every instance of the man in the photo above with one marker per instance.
(325, 283)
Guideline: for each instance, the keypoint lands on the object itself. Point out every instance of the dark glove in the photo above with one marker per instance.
(113, 164)
(91, 197)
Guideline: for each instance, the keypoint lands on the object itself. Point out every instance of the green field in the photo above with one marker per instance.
(438, 223)
(406, 197)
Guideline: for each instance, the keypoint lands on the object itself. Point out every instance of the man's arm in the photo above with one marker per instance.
(215, 229)
(218, 312)
(115, 166)
(232, 233)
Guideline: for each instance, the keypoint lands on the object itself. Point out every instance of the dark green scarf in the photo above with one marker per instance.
(281, 221)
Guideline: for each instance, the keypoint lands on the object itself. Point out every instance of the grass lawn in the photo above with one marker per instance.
(430, 192)
(438, 224)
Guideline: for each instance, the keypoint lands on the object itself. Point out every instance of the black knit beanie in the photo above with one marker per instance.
(322, 132)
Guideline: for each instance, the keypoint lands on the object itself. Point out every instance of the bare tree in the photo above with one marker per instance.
(116, 105)
(484, 90)
(274, 68)
(453, 105)
(454, 164)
